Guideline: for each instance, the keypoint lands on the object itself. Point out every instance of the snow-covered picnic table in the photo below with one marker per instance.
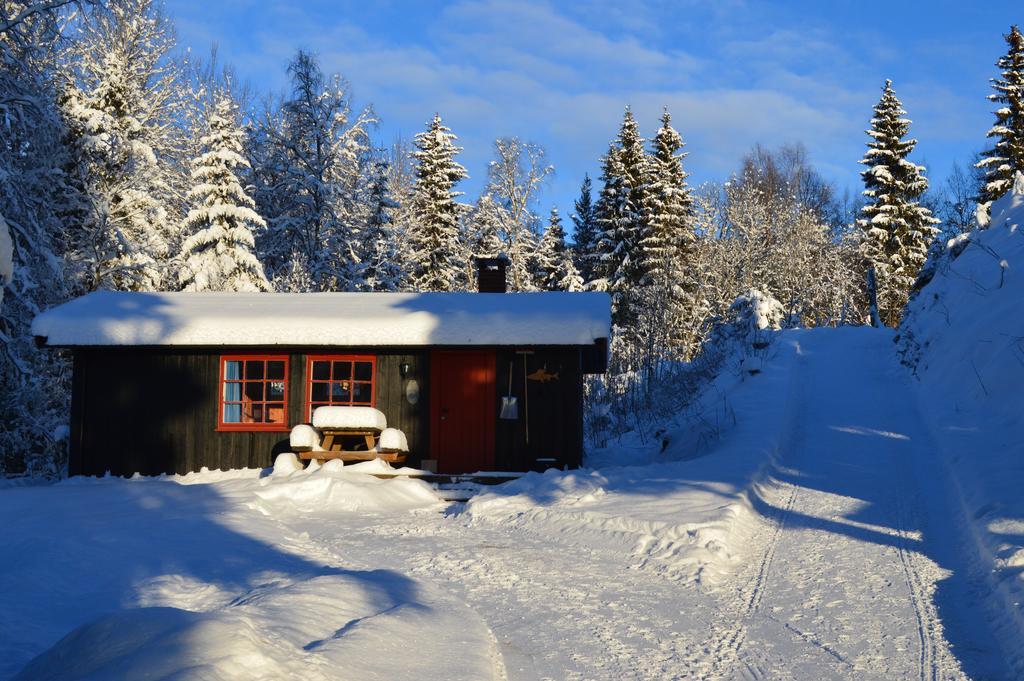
(333, 425)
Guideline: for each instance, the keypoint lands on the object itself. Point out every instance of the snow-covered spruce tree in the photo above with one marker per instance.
(554, 269)
(219, 253)
(378, 250)
(308, 158)
(585, 235)
(667, 226)
(434, 234)
(620, 217)
(658, 331)
(401, 186)
(119, 100)
(295, 278)
(896, 229)
(34, 384)
(1006, 157)
(665, 248)
(611, 201)
(484, 225)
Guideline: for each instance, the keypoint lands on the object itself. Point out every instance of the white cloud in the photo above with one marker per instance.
(561, 77)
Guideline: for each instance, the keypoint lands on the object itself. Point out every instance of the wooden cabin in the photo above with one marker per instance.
(173, 382)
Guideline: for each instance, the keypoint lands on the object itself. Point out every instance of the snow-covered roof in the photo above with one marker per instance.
(326, 319)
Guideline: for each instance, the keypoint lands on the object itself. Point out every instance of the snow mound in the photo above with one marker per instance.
(755, 310)
(369, 624)
(381, 466)
(332, 465)
(286, 463)
(349, 418)
(329, 489)
(392, 439)
(304, 436)
(962, 336)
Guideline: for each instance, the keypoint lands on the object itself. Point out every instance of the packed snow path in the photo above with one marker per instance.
(845, 581)
(844, 562)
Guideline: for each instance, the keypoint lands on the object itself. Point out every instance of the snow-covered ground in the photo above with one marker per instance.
(964, 338)
(821, 537)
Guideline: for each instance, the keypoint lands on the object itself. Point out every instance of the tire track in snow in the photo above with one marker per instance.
(921, 574)
(925, 623)
(898, 501)
(728, 637)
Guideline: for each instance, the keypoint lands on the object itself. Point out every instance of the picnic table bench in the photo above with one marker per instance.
(362, 429)
(333, 441)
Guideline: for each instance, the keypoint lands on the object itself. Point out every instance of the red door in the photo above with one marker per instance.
(462, 410)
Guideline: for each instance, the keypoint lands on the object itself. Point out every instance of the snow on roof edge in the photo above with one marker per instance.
(110, 318)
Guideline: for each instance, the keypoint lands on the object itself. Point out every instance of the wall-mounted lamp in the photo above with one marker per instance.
(403, 369)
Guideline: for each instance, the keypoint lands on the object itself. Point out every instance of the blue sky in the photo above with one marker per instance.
(733, 73)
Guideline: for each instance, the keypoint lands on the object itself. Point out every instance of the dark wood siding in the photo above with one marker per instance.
(554, 409)
(155, 410)
(393, 392)
(152, 411)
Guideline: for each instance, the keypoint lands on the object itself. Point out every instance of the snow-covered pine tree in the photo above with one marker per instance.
(401, 185)
(667, 227)
(896, 229)
(609, 250)
(219, 253)
(1006, 157)
(308, 162)
(620, 217)
(119, 103)
(378, 251)
(586, 233)
(437, 258)
(664, 248)
(295, 276)
(484, 226)
(554, 269)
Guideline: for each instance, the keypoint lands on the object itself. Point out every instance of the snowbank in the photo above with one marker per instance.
(341, 489)
(286, 463)
(202, 587)
(338, 319)
(697, 395)
(962, 336)
(307, 629)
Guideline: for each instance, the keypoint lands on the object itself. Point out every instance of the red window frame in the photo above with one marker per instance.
(372, 359)
(222, 383)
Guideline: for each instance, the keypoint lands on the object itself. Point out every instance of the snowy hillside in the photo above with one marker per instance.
(963, 336)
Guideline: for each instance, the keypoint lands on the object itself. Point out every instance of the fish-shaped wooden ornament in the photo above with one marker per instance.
(543, 375)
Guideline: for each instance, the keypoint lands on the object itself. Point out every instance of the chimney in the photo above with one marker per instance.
(490, 274)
